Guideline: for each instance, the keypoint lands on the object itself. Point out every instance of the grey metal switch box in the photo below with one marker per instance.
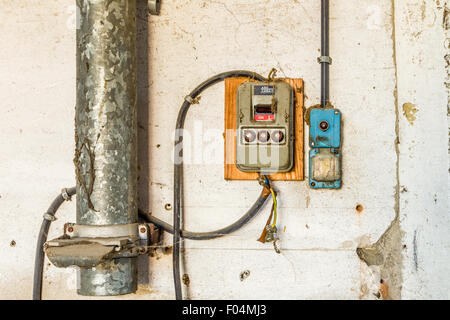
(265, 127)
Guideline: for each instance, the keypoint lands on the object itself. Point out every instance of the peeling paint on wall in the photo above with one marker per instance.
(446, 27)
(386, 254)
(409, 111)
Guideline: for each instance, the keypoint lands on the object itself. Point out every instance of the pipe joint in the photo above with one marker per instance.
(325, 59)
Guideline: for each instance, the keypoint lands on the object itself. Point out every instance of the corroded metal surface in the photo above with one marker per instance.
(112, 278)
(84, 254)
(105, 130)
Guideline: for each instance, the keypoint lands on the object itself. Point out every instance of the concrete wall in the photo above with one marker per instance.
(388, 77)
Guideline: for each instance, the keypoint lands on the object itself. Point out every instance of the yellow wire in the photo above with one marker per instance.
(274, 208)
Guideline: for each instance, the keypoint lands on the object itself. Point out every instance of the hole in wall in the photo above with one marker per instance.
(186, 280)
(244, 275)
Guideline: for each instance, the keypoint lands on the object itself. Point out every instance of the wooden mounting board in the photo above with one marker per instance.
(231, 172)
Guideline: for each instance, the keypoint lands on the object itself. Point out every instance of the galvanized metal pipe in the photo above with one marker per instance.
(106, 133)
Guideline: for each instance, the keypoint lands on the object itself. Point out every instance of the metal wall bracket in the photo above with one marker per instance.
(325, 59)
(87, 246)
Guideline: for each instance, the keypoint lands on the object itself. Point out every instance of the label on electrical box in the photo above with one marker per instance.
(263, 90)
(263, 96)
(264, 117)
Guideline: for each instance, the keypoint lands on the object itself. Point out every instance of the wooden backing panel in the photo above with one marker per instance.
(231, 172)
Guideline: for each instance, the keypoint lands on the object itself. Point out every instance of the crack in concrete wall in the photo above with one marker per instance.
(387, 251)
(446, 27)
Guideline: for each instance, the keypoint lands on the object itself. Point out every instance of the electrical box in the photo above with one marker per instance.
(325, 155)
(265, 127)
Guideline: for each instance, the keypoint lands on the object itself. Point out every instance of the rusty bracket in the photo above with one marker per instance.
(88, 246)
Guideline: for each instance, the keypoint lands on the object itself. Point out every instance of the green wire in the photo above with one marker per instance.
(267, 181)
(274, 208)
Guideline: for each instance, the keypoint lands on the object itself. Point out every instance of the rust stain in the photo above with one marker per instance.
(144, 290)
(384, 290)
(186, 280)
(359, 208)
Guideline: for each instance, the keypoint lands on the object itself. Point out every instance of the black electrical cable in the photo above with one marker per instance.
(178, 166)
(42, 238)
(51, 212)
(256, 207)
(325, 52)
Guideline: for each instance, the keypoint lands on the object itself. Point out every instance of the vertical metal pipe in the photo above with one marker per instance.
(106, 132)
(325, 51)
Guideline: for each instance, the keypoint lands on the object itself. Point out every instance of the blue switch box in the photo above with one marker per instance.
(325, 158)
(325, 128)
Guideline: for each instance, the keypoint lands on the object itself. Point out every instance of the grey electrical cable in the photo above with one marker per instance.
(178, 166)
(252, 212)
(42, 238)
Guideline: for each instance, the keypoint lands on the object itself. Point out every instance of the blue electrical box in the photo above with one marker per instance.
(325, 165)
(325, 128)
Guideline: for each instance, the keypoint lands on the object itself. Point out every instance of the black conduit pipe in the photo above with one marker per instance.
(325, 52)
(42, 238)
(178, 166)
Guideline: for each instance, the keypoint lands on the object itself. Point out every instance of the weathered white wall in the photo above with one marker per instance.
(386, 54)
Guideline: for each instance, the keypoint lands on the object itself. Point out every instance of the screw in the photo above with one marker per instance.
(12, 243)
(143, 230)
(324, 126)
(313, 184)
(70, 229)
(168, 206)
